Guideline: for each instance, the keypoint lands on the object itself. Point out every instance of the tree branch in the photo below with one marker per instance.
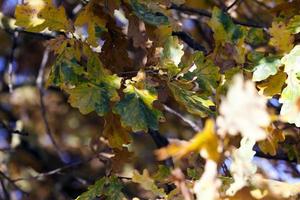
(206, 13)
(189, 41)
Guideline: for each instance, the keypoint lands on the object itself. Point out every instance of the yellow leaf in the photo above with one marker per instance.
(281, 37)
(205, 142)
(88, 16)
(270, 145)
(147, 183)
(37, 15)
(273, 85)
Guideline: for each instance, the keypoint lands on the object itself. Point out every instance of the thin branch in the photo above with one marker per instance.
(189, 41)
(40, 85)
(206, 13)
(10, 181)
(12, 61)
(233, 4)
(192, 124)
(56, 171)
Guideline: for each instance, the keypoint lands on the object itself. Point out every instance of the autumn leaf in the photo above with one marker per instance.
(193, 102)
(270, 145)
(266, 67)
(243, 111)
(117, 135)
(205, 73)
(291, 93)
(281, 37)
(90, 16)
(136, 109)
(146, 182)
(37, 15)
(242, 169)
(272, 85)
(147, 15)
(205, 142)
(294, 24)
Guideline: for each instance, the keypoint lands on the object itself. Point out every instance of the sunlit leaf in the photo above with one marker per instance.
(243, 111)
(90, 17)
(281, 39)
(37, 15)
(291, 93)
(242, 169)
(136, 109)
(266, 67)
(205, 142)
(294, 24)
(194, 103)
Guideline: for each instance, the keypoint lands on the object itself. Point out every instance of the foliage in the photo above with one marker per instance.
(196, 94)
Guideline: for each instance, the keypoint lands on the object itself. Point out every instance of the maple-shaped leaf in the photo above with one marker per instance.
(272, 85)
(243, 111)
(116, 134)
(294, 24)
(194, 103)
(136, 109)
(242, 169)
(37, 15)
(89, 16)
(146, 182)
(266, 67)
(110, 187)
(147, 15)
(204, 72)
(205, 142)
(270, 145)
(281, 37)
(291, 93)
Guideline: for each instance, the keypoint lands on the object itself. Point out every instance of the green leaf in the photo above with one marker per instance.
(110, 187)
(294, 24)
(291, 93)
(136, 110)
(93, 190)
(224, 29)
(147, 15)
(206, 74)
(266, 67)
(256, 37)
(193, 102)
(88, 98)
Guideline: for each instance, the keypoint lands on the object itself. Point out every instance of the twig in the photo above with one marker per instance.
(40, 85)
(193, 125)
(189, 41)
(55, 171)
(12, 61)
(233, 4)
(205, 13)
(160, 142)
(5, 192)
(3, 175)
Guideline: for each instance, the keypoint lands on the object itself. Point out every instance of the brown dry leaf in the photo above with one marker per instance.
(117, 135)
